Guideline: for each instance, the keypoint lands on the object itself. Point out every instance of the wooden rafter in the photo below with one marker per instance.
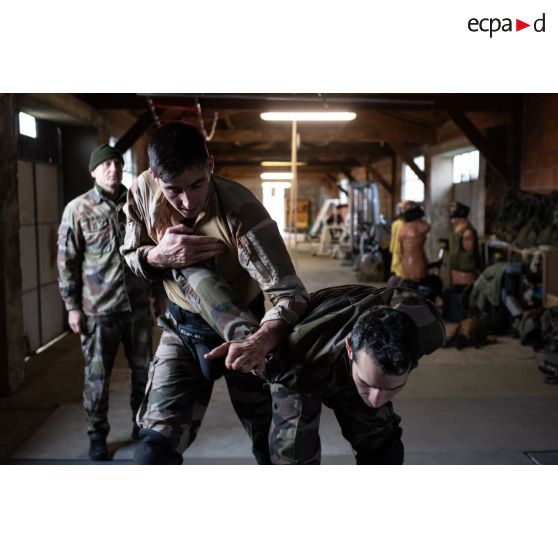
(408, 159)
(141, 126)
(485, 147)
(322, 135)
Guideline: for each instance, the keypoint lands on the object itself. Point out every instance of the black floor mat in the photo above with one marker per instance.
(546, 457)
(67, 462)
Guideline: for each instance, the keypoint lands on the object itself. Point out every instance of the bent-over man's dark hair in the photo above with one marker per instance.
(174, 147)
(413, 213)
(388, 336)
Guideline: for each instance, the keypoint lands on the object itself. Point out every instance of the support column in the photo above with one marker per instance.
(11, 311)
(396, 180)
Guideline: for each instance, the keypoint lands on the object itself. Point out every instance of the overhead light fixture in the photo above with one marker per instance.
(276, 175)
(280, 164)
(276, 184)
(308, 116)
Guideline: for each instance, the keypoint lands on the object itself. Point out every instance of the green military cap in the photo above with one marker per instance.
(102, 154)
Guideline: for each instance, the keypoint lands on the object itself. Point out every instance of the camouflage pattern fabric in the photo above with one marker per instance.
(311, 354)
(295, 425)
(177, 396)
(94, 278)
(92, 275)
(524, 219)
(255, 258)
(295, 440)
(216, 302)
(100, 345)
(312, 367)
(220, 290)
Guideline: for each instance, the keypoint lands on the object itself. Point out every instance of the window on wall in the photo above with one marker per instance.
(466, 167)
(129, 172)
(412, 187)
(274, 201)
(27, 125)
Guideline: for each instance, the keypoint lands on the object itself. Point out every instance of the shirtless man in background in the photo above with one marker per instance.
(413, 237)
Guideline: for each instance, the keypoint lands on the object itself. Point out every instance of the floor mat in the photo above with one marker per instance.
(546, 457)
(68, 462)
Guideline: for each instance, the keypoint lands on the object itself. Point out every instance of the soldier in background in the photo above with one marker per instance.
(180, 214)
(464, 249)
(107, 304)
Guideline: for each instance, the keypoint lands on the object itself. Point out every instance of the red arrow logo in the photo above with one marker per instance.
(519, 25)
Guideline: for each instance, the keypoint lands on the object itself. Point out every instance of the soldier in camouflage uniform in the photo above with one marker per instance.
(353, 352)
(179, 215)
(107, 304)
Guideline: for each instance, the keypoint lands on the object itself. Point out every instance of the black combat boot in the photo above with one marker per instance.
(98, 449)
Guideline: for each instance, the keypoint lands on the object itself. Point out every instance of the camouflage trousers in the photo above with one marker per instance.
(100, 345)
(177, 397)
(374, 434)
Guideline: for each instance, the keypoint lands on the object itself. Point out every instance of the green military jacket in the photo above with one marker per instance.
(314, 355)
(255, 258)
(92, 275)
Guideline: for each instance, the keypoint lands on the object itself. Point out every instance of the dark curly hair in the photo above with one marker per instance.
(388, 336)
(413, 213)
(174, 147)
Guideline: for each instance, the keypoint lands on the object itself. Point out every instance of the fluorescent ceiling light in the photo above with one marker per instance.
(276, 175)
(308, 116)
(27, 125)
(276, 184)
(280, 164)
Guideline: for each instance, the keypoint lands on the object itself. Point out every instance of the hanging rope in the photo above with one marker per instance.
(154, 112)
(208, 137)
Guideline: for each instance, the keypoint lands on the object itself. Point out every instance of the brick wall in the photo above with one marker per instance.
(539, 172)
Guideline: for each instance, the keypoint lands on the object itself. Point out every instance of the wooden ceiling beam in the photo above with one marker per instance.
(408, 159)
(329, 165)
(271, 101)
(485, 147)
(144, 122)
(482, 120)
(384, 129)
(336, 152)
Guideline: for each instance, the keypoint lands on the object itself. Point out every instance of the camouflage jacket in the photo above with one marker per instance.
(255, 257)
(314, 356)
(92, 275)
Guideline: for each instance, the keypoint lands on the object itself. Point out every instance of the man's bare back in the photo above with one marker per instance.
(413, 257)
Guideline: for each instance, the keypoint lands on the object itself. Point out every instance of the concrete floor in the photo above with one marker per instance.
(477, 406)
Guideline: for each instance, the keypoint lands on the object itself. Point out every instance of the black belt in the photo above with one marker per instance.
(200, 338)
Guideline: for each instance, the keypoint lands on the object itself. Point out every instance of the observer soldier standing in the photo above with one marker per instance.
(180, 214)
(107, 304)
